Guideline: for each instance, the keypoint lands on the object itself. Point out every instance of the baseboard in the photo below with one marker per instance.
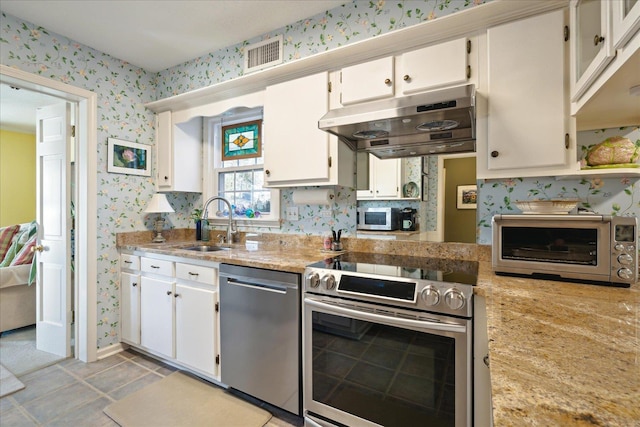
(111, 350)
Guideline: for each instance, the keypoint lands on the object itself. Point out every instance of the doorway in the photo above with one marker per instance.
(85, 196)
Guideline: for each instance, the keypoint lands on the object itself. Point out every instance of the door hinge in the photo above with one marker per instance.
(468, 46)
(329, 87)
(217, 359)
(329, 161)
(73, 131)
(217, 307)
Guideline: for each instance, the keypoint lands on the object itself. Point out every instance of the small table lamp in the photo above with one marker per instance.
(159, 204)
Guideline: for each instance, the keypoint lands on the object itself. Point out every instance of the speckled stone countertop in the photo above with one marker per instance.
(561, 354)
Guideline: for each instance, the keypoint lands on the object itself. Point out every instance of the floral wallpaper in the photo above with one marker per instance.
(123, 89)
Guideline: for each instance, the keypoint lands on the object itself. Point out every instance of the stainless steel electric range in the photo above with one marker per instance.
(387, 340)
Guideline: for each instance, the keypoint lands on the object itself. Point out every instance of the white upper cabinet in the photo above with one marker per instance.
(625, 16)
(296, 151)
(179, 154)
(384, 179)
(437, 66)
(368, 81)
(527, 120)
(591, 43)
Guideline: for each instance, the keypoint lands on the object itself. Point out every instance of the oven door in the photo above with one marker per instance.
(371, 365)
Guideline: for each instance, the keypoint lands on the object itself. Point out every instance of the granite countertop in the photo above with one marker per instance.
(561, 354)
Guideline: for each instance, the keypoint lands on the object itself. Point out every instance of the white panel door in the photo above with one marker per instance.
(196, 327)
(53, 292)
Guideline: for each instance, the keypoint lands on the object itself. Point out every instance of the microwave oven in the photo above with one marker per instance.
(382, 219)
(579, 248)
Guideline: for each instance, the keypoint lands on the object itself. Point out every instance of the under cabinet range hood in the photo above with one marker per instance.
(436, 122)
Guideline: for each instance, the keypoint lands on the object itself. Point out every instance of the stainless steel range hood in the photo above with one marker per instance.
(435, 122)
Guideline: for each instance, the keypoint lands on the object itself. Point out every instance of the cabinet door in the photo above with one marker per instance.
(368, 81)
(196, 326)
(432, 67)
(157, 315)
(179, 154)
(626, 20)
(164, 157)
(296, 151)
(591, 43)
(527, 117)
(387, 177)
(130, 307)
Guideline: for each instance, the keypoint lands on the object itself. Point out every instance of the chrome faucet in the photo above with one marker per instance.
(205, 215)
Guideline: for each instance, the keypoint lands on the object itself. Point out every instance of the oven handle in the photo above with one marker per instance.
(388, 320)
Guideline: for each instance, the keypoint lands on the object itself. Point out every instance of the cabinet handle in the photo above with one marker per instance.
(193, 274)
(468, 71)
(267, 172)
(566, 33)
(128, 262)
(155, 266)
(169, 292)
(176, 295)
(406, 78)
(387, 81)
(566, 140)
(597, 39)
(495, 154)
(485, 359)
(134, 284)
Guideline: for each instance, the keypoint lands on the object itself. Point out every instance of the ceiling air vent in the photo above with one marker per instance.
(263, 54)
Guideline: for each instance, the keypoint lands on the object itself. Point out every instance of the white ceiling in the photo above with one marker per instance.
(153, 35)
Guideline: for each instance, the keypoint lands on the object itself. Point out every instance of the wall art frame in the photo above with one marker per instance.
(128, 157)
(467, 197)
(242, 140)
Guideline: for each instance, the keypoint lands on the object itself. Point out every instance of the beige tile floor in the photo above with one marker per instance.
(73, 393)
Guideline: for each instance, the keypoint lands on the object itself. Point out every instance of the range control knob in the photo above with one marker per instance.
(625, 273)
(329, 282)
(313, 279)
(625, 259)
(454, 299)
(619, 247)
(430, 295)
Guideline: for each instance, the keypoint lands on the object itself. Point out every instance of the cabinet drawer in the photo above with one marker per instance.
(196, 273)
(130, 262)
(156, 266)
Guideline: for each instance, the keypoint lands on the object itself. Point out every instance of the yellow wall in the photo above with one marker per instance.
(459, 224)
(17, 177)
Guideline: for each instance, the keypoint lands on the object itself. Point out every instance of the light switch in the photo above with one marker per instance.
(292, 213)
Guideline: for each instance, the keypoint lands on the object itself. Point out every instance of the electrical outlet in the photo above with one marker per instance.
(292, 213)
(326, 213)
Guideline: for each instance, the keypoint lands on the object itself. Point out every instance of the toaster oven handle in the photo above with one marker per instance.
(388, 320)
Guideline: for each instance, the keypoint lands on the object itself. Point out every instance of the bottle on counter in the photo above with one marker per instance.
(327, 240)
(205, 230)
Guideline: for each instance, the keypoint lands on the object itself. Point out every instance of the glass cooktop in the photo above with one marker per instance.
(438, 269)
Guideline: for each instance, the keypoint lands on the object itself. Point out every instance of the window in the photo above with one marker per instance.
(239, 181)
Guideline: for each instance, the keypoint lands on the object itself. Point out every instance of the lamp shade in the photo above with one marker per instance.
(159, 204)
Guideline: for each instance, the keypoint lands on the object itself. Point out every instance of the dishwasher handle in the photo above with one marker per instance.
(256, 285)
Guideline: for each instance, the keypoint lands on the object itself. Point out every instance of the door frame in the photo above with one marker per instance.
(86, 202)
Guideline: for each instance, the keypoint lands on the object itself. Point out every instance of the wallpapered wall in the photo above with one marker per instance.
(123, 89)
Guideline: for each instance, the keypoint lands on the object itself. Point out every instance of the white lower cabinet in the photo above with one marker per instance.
(169, 308)
(156, 315)
(196, 325)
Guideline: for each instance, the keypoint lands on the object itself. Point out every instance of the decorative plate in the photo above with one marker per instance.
(410, 190)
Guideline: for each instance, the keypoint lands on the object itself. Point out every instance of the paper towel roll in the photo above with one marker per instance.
(313, 197)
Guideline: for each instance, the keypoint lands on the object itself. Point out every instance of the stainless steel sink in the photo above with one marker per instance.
(205, 248)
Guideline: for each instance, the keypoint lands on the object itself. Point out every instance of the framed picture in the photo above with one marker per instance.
(128, 157)
(242, 140)
(467, 197)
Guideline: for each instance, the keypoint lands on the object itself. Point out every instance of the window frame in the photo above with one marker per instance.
(212, 133)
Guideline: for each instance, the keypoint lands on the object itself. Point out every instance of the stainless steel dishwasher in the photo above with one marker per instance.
(260, 334)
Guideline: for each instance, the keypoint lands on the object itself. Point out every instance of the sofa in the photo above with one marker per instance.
(17, 276)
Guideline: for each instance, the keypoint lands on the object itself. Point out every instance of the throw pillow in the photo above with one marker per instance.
(25, 255)
(21, 238)
(6, 235)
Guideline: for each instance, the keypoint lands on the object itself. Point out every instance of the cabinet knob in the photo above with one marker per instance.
(597, 39)
(134, 284)
(406, 78)
(166, 178)
(387, 81)
(169, 292)
(267, 172)
(176, 295)
(495, 154)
